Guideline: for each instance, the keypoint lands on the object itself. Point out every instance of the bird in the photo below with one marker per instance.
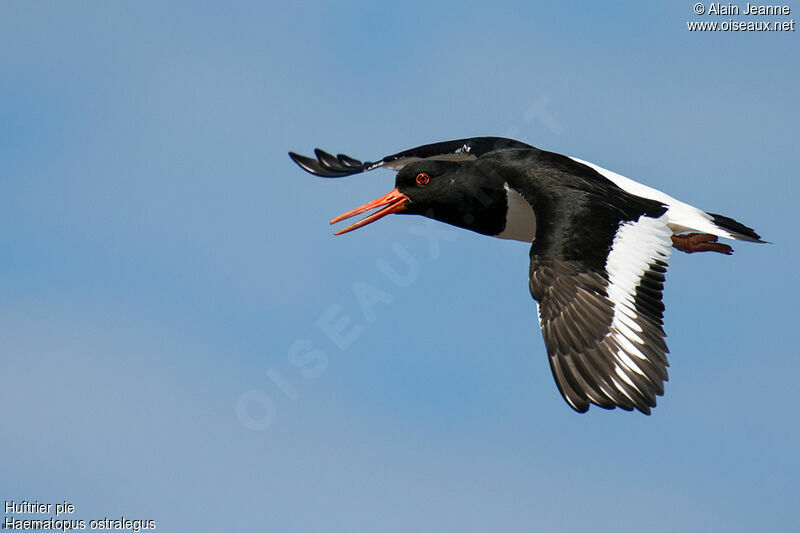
(600, 244)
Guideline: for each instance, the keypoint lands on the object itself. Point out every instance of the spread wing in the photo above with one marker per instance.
(597, 272)
(336, 166)
(603, 327)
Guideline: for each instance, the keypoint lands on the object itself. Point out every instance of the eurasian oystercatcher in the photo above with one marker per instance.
(600, 248)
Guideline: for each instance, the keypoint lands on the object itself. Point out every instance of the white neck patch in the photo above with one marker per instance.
(520, 218)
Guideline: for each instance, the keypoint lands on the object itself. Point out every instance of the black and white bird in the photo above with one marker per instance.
(600, 248)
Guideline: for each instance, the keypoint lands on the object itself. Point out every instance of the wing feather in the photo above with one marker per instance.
(603, 327)
(329, 166)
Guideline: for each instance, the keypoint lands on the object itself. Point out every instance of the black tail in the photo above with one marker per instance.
(739, 230)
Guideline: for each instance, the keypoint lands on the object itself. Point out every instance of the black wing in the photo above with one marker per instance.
(605, 345)
(597, 271)
(329, 166)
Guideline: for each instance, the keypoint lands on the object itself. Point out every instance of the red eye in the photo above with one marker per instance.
(423, 178)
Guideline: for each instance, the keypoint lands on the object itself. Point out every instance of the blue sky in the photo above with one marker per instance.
(165, 266)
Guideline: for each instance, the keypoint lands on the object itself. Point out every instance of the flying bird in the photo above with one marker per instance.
(600, 246)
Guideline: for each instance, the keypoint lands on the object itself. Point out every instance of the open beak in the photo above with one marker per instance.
(393, 202)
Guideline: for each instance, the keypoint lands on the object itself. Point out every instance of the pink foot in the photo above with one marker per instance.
(699, 242)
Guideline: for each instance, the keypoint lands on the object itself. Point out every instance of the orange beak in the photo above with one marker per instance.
(394, 202)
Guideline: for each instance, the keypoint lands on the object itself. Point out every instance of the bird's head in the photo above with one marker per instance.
(466, 194)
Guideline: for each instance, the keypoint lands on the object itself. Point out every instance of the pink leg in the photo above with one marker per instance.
(699, 242)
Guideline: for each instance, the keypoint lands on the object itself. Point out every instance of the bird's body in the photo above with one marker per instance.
(600, 246)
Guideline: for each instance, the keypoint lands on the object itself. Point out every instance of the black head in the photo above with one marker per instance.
(468, 194)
